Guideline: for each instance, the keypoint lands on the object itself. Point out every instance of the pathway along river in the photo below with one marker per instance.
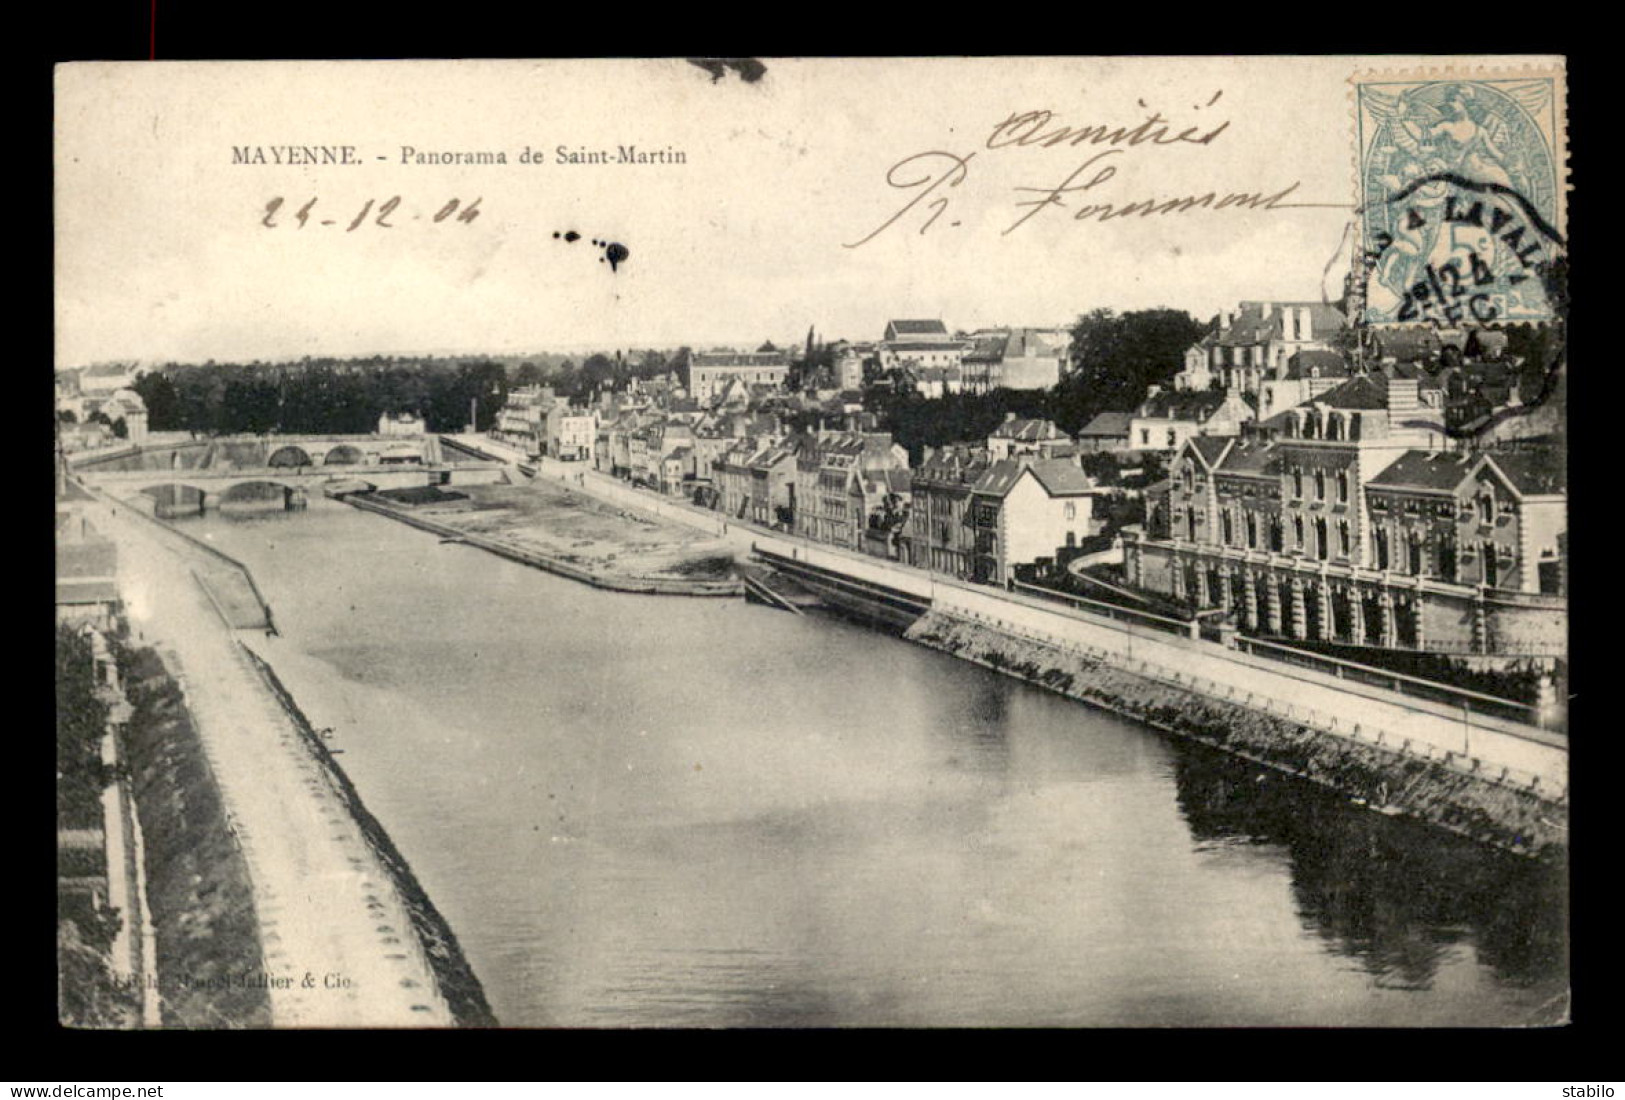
(647, 811)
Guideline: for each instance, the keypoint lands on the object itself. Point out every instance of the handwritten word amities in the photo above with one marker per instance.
(383, 218)
(936, 180)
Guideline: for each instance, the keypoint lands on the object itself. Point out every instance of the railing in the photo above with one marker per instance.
(1394, 681)
(1463, 761)
(1110, 610)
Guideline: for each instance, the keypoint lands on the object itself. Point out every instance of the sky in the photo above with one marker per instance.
(163, 252)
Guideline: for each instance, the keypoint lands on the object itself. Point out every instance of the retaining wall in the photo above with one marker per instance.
(1444, 790)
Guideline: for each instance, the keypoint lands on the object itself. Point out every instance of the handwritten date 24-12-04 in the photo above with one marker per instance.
(387, 214)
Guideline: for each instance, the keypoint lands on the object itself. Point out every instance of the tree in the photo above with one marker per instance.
(66, 416)
(1115, 358)
(162, 400)
(121, 430)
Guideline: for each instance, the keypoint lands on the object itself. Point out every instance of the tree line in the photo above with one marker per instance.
(329, 396)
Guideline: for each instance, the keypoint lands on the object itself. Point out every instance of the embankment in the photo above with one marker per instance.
(227, 582)
(206, 928)
(458, 984)
(1394, 779)
(646, 585)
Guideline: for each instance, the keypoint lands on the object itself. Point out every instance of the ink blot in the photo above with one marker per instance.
(572, 236)
(617, 255)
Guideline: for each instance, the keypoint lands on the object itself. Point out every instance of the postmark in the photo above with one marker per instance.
(1461, 184)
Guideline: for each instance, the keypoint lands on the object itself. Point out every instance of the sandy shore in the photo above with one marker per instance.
(339, 945)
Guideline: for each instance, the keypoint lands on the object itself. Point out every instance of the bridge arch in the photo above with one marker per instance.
(345, 454)
(249, 489)
(290, 455)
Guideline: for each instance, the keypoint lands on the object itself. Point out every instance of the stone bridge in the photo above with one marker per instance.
(216, 469)
(258, 451)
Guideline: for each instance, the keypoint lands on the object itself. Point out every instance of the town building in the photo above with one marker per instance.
(933, 382)
(1307, 375)
(1166, 419)
(1033, 359)
(1015, 358)
(940, 536)
(919, 344)
(832, 504)
(1027, 436)
(1108, 431)
(706, 374)
(1024, 509)
(1252, 342)
(404, 423)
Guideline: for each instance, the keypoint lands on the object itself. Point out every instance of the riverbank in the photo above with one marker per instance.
(454, 976)
(1390, 779)
(336, 910)
(569, 532)
(1499, 784)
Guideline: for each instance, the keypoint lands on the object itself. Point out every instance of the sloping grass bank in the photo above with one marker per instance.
(209, 954)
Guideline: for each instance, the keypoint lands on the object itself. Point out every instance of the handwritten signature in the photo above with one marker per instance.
(932, 177)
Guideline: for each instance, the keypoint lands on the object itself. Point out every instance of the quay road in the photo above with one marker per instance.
(339, 950)
(1478, 743)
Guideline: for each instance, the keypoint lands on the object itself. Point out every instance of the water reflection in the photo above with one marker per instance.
(1396, 896)
(642, 812)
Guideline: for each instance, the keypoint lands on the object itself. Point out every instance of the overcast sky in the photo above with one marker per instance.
(162, 254)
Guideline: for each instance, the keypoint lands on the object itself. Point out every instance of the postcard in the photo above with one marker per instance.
(774, 542)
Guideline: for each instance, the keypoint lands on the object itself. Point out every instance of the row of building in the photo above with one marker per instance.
(1323, 488)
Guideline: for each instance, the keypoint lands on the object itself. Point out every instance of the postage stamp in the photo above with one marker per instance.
(1462, 180)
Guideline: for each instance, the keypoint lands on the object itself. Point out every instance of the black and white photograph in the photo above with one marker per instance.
(883, 542)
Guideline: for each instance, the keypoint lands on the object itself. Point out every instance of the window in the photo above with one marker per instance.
(1228, 523)
(1320, 485)
(1297, 531)
(1344, 544)
(1297, 482)
(1145, 437)
(1070, 512)
(1252, 531)
(1486, 507)
(1342, 486)
(1381, 536)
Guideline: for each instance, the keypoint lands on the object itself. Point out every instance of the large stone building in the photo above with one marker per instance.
(919, 344)
(706, 374)
(1344, 520)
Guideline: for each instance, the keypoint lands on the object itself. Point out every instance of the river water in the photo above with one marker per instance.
(654, 811)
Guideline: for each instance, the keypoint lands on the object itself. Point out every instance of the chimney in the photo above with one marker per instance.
(1009, 416)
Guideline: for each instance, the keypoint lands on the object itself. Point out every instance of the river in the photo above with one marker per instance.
(645, 811)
